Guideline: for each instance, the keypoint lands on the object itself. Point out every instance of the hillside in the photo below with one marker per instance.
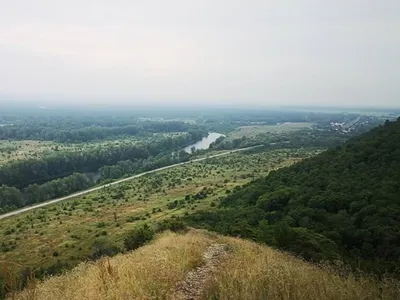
(341, 204)
(186, 266)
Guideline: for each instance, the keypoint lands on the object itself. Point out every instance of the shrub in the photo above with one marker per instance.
(102, 247)
(138, 237)
(174, 225)
(100, 225)
(172, 205)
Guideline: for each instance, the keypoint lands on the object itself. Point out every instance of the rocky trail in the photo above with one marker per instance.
(192, 288)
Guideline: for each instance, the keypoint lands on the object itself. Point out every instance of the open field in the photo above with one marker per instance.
(253, 130)
(246, 271)
(69, 231)
(16, 150)
(13, 150)
(215, 154)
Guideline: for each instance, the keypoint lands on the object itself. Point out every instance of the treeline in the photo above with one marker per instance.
(74, 131)
(30, 181)
(343, 203)
(129, 167)
(12, 198)
(60, 164)
(271, 117)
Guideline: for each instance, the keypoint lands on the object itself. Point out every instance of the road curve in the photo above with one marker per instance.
(25, 209)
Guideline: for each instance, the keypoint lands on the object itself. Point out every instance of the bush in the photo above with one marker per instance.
(138, 237)
(174, 225)
(103, 247)
(172, 205)
(101, 225)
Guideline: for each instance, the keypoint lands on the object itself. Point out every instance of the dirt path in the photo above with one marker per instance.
(193, 286)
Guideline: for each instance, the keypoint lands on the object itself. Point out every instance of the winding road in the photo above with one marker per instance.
(25, 209)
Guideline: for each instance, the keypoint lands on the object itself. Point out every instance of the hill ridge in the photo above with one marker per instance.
(251, 271)
(342, 203)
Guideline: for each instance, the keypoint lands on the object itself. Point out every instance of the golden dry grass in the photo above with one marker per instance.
(257, 272)
(249, 272)
(148, 273)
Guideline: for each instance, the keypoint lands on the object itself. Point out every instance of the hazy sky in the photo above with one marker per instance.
(280, 52)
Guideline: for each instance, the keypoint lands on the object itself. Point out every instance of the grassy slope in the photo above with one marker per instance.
(250, 271)
(70, 228)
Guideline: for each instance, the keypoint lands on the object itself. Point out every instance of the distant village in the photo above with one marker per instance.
(348, 126)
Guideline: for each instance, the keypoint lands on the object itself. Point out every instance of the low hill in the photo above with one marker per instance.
(203, 265)
(341, 204)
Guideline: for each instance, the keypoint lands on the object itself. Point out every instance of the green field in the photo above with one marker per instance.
(71, 230)
(25, 149)
(254, 130)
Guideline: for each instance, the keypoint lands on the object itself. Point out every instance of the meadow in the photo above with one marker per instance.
(25, 149)
(253, 130)
(71, 231)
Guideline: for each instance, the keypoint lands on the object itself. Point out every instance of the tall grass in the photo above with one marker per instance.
(256, 272)
(249, 272)
(147, 273)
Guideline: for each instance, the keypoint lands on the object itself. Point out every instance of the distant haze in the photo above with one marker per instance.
(230, 53)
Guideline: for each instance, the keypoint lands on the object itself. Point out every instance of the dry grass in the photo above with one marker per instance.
(70, 227)
(148, 273)
(256, 272)
(249, 272)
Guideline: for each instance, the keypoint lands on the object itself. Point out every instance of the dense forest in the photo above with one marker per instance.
(341, 204)
(78, 130)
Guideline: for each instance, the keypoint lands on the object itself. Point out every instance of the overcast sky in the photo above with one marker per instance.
(280, 52)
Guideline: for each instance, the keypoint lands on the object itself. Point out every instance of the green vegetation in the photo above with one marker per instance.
(11, 150)
(246, 271)
(138, 237)
(71, 227)
(342, 203)
(339, 205)
(254, 130)
(27, 174)
(83, 129)
(57, 237)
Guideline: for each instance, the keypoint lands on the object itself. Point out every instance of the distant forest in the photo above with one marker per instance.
(32, 180)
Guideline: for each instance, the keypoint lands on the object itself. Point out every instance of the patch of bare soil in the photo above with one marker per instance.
(193, 286)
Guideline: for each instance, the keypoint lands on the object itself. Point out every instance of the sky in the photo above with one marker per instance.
(232, 53)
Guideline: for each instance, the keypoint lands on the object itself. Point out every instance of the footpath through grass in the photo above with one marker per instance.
(249, 271)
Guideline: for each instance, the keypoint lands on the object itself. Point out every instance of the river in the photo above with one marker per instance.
(205, 142)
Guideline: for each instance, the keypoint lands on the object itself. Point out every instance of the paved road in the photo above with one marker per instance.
(22, 210)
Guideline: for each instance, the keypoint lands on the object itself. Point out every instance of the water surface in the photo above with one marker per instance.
(204, 143)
